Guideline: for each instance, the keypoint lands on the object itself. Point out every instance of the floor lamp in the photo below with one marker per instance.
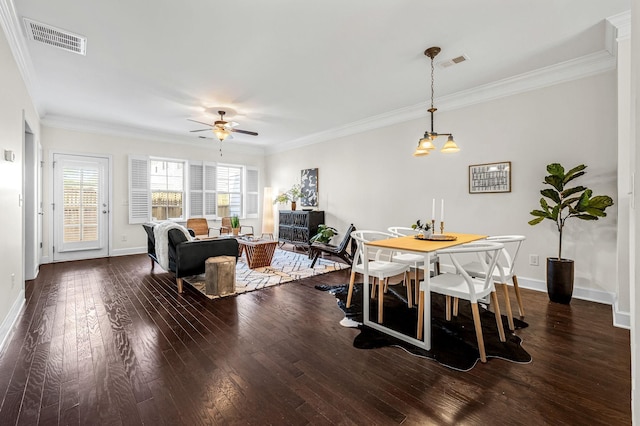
(267, 213)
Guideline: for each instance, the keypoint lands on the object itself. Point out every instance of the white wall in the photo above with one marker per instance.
(119, 148)
(14, 102)
(372, 180)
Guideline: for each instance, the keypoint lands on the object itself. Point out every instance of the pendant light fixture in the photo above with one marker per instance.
(425, 145)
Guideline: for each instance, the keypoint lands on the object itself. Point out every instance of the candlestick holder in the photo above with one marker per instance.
(433, 226)
(442, 227)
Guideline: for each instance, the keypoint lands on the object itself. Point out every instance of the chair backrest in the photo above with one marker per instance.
(345, 241)
(487, 253)
(402, 231)
(225, 225)
(362, 237)
(199, 225)
(509, 254)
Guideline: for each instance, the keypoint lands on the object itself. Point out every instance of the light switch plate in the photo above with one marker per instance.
(9, 155)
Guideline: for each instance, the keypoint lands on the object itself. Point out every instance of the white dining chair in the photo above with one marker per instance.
(504, 272)
(380, 266)
(461, 285)
(416, 261)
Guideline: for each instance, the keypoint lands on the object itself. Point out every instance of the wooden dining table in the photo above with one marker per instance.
(410, 244)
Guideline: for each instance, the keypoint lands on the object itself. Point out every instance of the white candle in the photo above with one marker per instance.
(442, 210)
(433, 210)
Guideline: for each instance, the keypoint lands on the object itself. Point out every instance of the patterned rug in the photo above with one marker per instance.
(286, 266)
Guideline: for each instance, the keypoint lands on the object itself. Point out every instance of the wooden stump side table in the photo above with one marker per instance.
(220, 275)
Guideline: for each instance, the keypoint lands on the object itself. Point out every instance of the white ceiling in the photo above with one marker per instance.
(290, 68)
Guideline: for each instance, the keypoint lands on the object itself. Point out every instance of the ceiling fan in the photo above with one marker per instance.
(223, 128)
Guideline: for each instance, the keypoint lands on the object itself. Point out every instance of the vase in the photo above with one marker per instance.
(235, 231)
(293, 205)
(560, 280)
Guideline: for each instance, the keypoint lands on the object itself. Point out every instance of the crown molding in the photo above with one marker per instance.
(101, 128)
(618, 27)
(13, 31)
(573, 69)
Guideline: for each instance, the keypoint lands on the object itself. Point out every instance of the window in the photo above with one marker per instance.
(229, 185)
(157, 190)
(167, 189)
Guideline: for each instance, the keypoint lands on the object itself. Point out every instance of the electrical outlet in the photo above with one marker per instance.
(534, 260)
(124, 238)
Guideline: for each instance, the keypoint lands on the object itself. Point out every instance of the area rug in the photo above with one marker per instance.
(453, 343)
(286, 266)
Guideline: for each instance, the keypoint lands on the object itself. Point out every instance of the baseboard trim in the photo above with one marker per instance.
(620, 319)
(127, 251)
(7, 327)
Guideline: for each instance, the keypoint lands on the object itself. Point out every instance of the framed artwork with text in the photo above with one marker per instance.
(490, 177)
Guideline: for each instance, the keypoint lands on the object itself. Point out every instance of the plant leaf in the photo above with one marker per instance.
(555, 212)
(539, 213)
(536, 221)
(595, 212)
(571, 191)
(574, 173)
(552, 194)
(586, 217)
(601, 202)
(555, 169)
(555, 181)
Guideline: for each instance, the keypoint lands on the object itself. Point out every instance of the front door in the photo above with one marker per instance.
(81, 207)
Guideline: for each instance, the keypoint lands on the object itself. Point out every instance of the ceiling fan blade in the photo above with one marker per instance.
(200, 122)
(246, 132)
(201, 130)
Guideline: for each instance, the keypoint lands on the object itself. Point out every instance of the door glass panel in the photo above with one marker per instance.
(80, 204)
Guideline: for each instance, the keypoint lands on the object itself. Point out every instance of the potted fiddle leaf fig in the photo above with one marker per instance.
(559, 203)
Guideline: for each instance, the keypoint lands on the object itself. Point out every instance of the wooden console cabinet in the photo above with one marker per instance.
(297, 227)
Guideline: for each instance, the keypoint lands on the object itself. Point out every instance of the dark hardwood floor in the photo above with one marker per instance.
(109, 342)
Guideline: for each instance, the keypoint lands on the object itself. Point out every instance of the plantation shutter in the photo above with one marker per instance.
(139, 190)
(196, 193)
(202, 190)
(209, 190)
(252, 193)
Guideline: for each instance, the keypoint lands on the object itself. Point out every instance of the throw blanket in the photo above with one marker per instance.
(160, 231)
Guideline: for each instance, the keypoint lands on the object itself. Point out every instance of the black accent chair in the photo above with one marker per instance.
(187, 258)
(340, 250)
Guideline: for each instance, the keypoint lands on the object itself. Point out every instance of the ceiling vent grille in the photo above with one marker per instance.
(55, 37)
(453, 61)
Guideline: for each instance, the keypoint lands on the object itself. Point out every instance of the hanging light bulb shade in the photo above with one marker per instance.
(450, 146)
(426, 142)
(420, 152)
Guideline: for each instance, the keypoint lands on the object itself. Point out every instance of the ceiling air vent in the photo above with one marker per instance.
(55, 37)
(453, 61)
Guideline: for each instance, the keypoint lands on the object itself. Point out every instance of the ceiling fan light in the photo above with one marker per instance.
(450, 146)
(221, 133)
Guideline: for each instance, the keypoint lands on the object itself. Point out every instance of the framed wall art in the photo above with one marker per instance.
(309, 187)
(490, 177)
